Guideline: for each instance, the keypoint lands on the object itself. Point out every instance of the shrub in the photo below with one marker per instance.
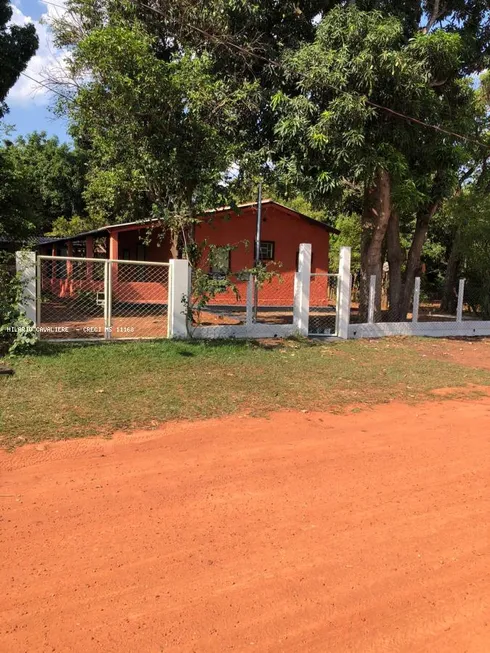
(17, 333)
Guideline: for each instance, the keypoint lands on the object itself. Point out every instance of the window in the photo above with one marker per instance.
(220, 259)
(126, 255)
(266, 252)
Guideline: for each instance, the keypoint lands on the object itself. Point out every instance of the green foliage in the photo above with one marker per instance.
(329, 133)
(72, 226)
(471, 212)
(349, 226)
(17, 45)
(16, 331)
(159, 129)
(43, 183)
(17, 215)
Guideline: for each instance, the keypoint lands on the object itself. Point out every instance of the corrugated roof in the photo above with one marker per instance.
(32, 241)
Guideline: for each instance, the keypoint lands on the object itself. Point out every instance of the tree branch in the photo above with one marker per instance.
(437, 13)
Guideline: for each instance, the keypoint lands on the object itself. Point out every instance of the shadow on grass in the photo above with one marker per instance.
(184, 348)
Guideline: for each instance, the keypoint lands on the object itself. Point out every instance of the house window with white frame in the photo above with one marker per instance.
(267, 250)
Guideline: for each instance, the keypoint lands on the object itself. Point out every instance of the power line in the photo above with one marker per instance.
(278, 64)
(49, 88)
(53, 4)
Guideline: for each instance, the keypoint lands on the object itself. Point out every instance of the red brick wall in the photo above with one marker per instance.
(285, 229)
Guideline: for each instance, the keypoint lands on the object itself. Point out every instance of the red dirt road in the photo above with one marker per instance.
(305, 532)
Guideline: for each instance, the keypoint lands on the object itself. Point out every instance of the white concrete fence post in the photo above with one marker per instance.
(249, 315)
(459, 311)
(107, 300)
(344, 294)
(301, 308)
(178, 297)
(416, 300)
(372, 298)
(25, 265)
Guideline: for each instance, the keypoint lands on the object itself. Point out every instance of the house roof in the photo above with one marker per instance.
(31, 240)
(223, 209)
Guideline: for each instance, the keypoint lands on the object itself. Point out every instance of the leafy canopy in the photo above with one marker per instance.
(17, 45)
(329, 133)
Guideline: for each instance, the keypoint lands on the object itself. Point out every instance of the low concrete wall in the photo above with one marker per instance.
(430, 329)
(256, 330)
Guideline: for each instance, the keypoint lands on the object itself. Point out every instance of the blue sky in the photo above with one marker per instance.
(28, 102)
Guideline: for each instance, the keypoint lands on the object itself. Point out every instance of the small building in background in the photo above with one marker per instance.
(282, 231)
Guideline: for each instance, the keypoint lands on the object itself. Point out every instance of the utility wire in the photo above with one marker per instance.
(49, 88)
(278, 64)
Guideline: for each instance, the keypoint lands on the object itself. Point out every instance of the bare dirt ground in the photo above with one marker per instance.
(365, 532)
(471, 352)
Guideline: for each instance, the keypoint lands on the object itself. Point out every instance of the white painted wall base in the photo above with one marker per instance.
(430, 329)
(256, 330)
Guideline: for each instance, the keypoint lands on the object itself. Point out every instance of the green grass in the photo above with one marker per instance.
(66, 391)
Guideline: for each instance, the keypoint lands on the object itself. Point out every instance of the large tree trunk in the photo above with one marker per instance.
(375, 218)
(414, 256)
(395, 259)
(449, 300)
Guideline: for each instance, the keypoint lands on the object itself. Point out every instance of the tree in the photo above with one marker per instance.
(43, 184)
(160, 129)
(17, 46)
(17, 218)
(314, 77)
(53, 175)
(334, 132)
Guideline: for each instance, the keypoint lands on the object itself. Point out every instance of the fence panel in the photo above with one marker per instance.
(323, 317)
(70, 298)
(80, 299)
(274, 300)
(138, 299)
(227, 309)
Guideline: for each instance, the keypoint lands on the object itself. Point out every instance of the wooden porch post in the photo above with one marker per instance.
(69, 264)
(114, 253)
(67, 284)
(53, 265)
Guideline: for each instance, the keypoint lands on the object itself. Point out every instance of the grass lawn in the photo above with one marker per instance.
(70, 390)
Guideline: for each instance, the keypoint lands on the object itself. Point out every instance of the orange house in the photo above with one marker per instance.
(282, 231)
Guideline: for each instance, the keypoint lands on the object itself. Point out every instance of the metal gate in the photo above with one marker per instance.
(324, 300)
(90, 298)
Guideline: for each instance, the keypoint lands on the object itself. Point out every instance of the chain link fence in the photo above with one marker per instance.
(323, 304)
(139, 299)
(71, 299)
(270, 302)
(87, 299)
(274, 300)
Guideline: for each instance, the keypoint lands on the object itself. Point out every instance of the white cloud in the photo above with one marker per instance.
(48, 59)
